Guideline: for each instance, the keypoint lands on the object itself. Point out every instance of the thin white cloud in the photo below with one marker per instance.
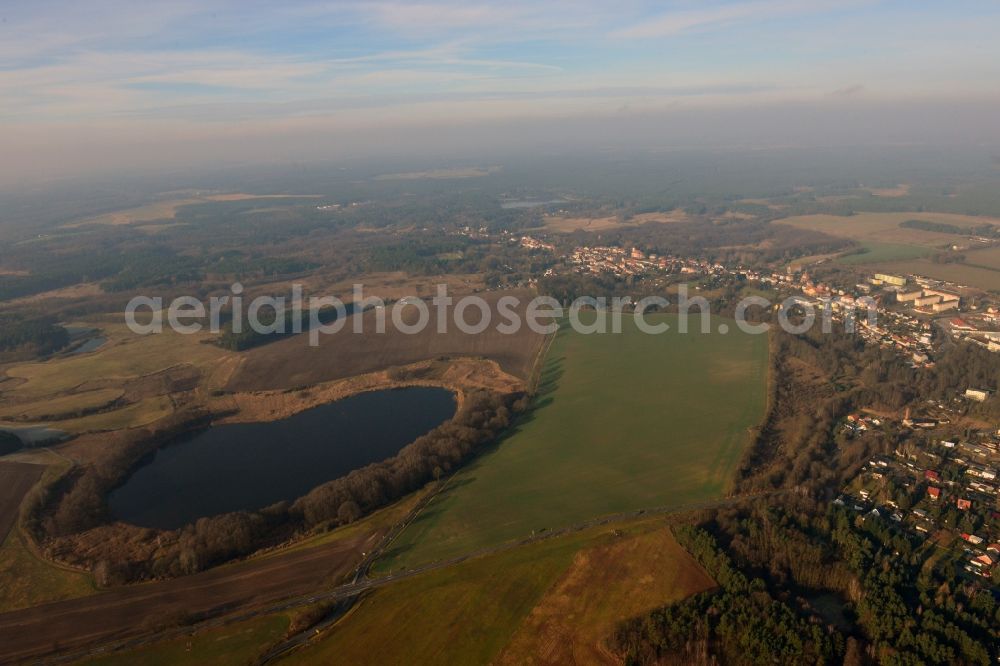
(452, 53)
(848, 91)
(678, 22)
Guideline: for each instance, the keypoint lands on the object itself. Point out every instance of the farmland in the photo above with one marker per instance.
(961, 274)
(980, 269)
(16, 479)
(568, 224)
(167, 208)
(59, 407)
(622, 422)
(885, 227)
(292, 362)
(125, 356)
(311, 564)
(511, 605)
(986, 258)
(129, 609)
(26, 579)
(126, 383)
(874, 252)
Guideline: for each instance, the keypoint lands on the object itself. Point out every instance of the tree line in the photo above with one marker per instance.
(73, 523)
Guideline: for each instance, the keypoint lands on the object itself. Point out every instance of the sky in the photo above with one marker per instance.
(103, 85)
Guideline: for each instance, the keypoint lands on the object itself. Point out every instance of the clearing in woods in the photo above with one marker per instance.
(622, 422)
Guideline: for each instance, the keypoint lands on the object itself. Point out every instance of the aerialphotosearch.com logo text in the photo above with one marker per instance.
(471, 314)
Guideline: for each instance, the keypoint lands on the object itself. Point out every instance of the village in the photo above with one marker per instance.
(911, 312)
(941, 490)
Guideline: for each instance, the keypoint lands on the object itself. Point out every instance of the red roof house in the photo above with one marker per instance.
(934, 493)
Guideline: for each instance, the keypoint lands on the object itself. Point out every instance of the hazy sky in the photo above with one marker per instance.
(99, 85)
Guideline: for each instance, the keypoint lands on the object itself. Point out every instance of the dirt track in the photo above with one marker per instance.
(16, 479)
(34, 632)
(291, 362)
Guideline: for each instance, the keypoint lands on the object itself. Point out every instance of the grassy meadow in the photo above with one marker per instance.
(26, 579)
(511, 607)
(879, 252)
(622, 422)
(961, 274)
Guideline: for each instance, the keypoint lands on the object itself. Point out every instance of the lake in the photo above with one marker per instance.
(90, 345)
(246, 466)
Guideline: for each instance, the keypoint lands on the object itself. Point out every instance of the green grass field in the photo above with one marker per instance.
(509, 606)
(621, 422)
(876, 252)
(25, 579)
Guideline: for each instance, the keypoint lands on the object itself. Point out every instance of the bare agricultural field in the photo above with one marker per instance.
(563, 224)
(885, 227)
(567, 224)
(167, 209)
(292, 362)
(676, 215)
(890, 192)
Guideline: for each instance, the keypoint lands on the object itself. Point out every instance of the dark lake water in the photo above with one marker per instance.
(245, 466)
(90, 345)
